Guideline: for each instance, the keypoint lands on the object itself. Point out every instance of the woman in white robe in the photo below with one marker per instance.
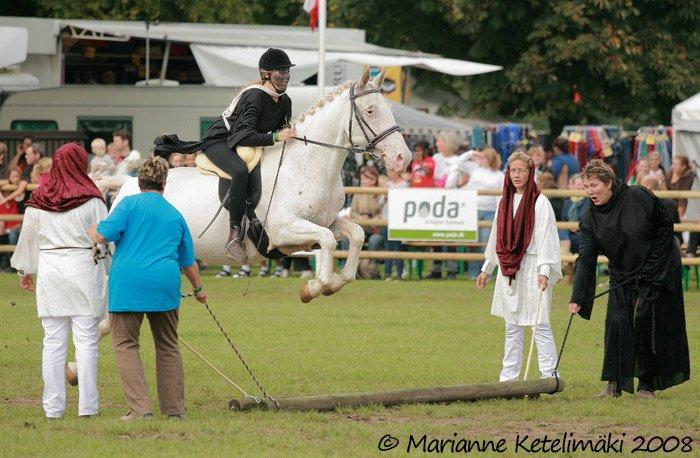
(71, 290)
(533, 274)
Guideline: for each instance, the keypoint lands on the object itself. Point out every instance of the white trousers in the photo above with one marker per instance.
(513, 354)
(85, 337)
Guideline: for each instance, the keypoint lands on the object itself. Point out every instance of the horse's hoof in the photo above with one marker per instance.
(327, 291)
(304, 293)
(71, 374)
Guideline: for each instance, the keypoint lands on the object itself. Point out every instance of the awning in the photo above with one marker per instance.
(411, 120)
(236, 65)
(287, 37)
(13, 46)
(16, 81)
(417, 122)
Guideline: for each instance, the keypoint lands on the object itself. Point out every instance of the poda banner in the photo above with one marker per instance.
(447, 215)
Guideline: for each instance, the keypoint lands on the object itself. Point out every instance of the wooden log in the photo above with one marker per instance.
(515, 389)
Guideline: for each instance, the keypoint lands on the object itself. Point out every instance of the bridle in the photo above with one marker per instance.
(355, 114)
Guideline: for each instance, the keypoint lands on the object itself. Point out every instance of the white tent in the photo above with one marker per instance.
(234, 65)
(227, 55)
(686, 141)
(13, 45)
(13, 51)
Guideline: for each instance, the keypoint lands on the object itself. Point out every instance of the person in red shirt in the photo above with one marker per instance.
(422, 167)
(9, 232)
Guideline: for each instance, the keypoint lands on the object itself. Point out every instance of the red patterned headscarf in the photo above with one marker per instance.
(514, 234)
(68, 185)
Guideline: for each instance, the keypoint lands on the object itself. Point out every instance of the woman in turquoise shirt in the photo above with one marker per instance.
(153, 244)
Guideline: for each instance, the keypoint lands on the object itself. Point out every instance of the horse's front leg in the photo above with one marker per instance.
(301, 232)
(356, 237)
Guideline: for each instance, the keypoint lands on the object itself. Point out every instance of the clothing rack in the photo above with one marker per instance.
(506, 137)
(608, 142)
(651, 139)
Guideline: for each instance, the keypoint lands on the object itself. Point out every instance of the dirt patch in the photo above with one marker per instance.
(21, 401)
(156, 435)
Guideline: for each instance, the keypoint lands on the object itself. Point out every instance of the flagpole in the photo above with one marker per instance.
(321, 76)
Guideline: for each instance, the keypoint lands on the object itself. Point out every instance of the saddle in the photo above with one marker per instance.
(206, 167)
(255, 231)
(250, 155)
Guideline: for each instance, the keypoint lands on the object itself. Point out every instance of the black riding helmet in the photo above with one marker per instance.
(274, 59)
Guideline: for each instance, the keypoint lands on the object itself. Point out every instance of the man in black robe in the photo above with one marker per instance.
(645, 334)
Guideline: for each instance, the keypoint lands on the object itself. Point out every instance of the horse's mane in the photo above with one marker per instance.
(332, 95)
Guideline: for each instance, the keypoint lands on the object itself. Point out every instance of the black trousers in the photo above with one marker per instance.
(693, 242)
(300, 263)
(244, 188)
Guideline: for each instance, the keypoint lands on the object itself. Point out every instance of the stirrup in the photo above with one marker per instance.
(235, 251)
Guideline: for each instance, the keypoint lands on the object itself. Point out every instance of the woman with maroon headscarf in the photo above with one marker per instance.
(525, 246)
(71, 290)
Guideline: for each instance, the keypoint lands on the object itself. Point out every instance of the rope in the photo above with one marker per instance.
(534, 332)
(257, 400)
(568, 326)
(97, 254)
(221, 206)
(240, 357)
(267, 212)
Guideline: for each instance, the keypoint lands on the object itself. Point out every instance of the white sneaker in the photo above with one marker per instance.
(223, 273)
(264, 272)
(242, 274)
(277, 273)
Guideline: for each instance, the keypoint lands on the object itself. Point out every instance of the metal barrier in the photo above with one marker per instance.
(681, 227)
(52, 139)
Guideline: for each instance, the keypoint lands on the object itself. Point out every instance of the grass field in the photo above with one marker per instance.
(372, 335)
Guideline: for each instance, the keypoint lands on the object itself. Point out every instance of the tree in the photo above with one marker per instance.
(571, 60)
(205, 11)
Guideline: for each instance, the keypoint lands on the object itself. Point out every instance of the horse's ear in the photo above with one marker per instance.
(365, 77)
(379, 79)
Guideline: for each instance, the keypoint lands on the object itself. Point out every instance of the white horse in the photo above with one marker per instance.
(301, 210)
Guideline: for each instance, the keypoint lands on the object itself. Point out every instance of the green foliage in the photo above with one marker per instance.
(632, 59)
(205, 11)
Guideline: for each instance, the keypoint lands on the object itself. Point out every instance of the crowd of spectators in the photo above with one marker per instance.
(453, 164)
(31, 163)
(449, 163)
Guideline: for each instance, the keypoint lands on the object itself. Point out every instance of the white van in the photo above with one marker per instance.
(99, 110)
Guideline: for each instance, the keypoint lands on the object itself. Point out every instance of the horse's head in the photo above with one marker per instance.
(372, 123)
